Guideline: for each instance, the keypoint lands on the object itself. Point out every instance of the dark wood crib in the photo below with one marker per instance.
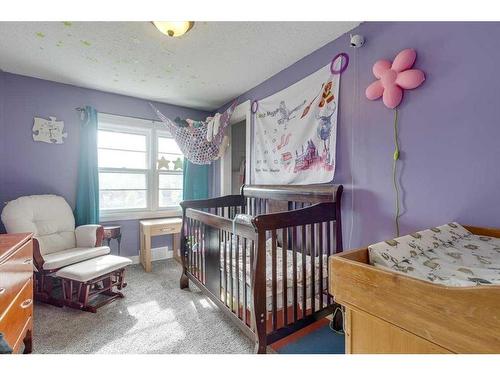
(267, 271)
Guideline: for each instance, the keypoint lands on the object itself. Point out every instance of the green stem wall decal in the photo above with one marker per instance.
(394, 170)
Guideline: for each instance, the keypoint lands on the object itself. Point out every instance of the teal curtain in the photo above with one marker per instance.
(195, 181)
(87, 194)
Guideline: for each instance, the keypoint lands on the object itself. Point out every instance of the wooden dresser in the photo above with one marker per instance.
(16, 290)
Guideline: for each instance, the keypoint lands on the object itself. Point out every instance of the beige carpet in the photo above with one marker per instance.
(154, 317)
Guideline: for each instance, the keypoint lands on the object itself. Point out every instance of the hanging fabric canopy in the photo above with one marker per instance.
(201, 142)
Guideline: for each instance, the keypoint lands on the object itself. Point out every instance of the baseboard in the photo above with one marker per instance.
(157, 253)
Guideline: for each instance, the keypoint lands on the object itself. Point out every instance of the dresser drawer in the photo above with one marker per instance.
(14, 272)
(13, 321)
(168, 229)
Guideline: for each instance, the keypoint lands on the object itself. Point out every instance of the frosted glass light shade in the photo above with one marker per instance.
(173, 28)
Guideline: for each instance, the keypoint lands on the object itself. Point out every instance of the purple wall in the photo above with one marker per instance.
(449, 128)
(30, 167)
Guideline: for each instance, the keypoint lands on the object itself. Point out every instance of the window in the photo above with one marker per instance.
(170, 163)
(140, 168)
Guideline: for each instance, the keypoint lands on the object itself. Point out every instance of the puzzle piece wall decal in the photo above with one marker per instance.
(49, 131)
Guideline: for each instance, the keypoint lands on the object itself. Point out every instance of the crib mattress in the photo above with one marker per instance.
(310, 263)
(448, 255)
(279, 295)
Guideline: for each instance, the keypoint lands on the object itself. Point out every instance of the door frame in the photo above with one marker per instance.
(242, 112)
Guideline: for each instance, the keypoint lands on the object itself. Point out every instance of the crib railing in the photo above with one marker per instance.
(211, 246)
(307, 236)
(268, 274)
(235, 274)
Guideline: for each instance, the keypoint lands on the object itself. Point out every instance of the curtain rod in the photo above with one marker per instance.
(81, 109)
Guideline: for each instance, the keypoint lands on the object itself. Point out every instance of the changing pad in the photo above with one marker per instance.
(448, 255)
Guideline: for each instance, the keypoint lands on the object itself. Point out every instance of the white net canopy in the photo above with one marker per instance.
(201, 142)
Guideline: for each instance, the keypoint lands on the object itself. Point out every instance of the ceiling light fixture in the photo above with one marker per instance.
(174, 28)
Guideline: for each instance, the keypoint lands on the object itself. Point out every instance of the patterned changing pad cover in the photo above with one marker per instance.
(448, 255)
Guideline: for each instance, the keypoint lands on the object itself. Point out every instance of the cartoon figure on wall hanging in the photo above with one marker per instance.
(325, 127)
(286, 115)
(48, 131)
(327, 96)
(392, 79)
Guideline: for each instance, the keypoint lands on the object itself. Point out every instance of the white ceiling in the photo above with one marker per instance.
(207, 67)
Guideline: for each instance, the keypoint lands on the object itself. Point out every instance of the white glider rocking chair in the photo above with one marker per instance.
(71, 267)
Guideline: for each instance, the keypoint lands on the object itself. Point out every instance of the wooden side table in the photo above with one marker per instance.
(113, 233)
(158, 227)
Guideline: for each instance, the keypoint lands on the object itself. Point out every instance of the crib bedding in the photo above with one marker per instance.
(279, 265)
(279, 295)
(279, 273)
(449, 255)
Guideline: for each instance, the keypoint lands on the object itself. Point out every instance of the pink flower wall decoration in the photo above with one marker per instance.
(393, 78)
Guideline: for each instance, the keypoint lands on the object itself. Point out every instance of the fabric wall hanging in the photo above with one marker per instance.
(295, 130)
(201, 142)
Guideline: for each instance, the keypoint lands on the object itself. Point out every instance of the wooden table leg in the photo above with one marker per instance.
(141, 246)
(147, 251)
(176, 246)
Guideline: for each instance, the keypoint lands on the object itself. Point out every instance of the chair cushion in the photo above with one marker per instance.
(92, 268)
(71, 256)
(49, 217)
(86, 235)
